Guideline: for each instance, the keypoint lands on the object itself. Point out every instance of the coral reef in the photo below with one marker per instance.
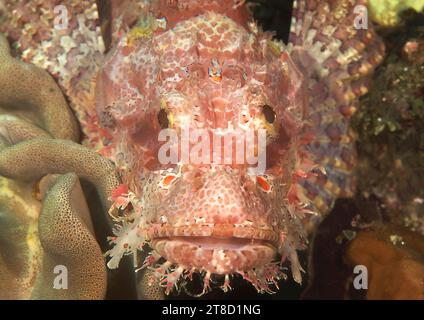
(58, 228)
(30, 93)
(45, 223)
(383, 226)
(37, 237)
(54, 156)
(390, 131)
(67, 236)
(71, 55)
(20, 248)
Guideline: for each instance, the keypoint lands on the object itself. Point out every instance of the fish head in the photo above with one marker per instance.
(206, 120)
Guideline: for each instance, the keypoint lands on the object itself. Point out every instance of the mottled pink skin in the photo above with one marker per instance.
(169, 69)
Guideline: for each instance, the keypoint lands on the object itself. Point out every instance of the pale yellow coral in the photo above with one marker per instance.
(55, 227)
(20, 249)
(67, 236)
(386, 12)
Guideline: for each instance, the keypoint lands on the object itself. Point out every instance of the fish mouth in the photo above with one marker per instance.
(217, 250)
(221, 231)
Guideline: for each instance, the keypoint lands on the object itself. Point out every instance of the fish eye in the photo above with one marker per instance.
(269, 114)
(163, 119)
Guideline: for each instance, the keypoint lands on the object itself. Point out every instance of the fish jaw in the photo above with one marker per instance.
(215, 255)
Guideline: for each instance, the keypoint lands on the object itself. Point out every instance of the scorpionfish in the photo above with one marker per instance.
(205, 65)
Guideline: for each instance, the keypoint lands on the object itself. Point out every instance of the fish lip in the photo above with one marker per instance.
(215, 255)
(217, 231)
(230, 243)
